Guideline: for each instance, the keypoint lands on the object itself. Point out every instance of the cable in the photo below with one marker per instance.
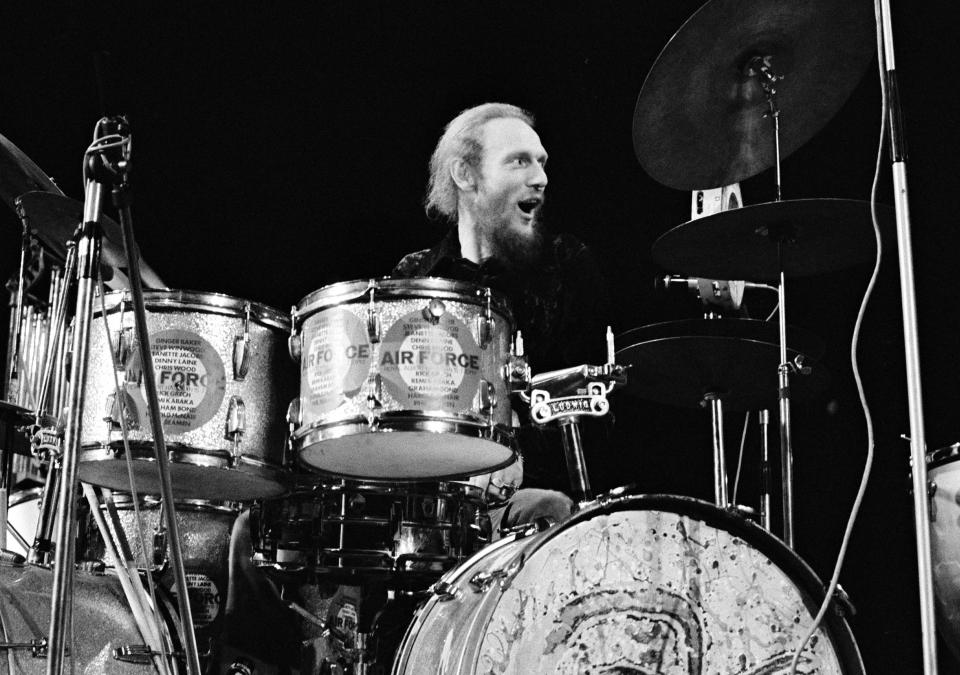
(743, 442)
(868, 464)
(120, 397)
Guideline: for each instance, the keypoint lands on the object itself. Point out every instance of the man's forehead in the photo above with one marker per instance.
(509, 134)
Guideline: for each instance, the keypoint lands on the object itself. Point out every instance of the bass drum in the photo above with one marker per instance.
(102, 621)
(944, 472)
(631, 583)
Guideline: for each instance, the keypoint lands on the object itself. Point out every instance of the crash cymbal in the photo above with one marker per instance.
(819, 235)
(699, 120)
(54, 218)
(679, 362)
(18, 174)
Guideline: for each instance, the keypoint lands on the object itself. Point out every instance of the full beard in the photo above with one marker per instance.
(519, 249)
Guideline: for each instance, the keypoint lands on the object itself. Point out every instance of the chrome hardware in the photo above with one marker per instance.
(37, 647)
(294, 418)
(444, 591)
(375, 396)
(123, 406)
(159, 547)
(241, 356)
(123, 348)
(373, 316)
(434, 310)
(295, 347)
(482, 581)
(235, 423)
(488, 397)
(136, 654)
(486, 324)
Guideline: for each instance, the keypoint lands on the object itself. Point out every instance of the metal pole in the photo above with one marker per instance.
(576, 464)
(918, 444)
(765, 470)
(720, 496)
(786, 441)
(88, 263)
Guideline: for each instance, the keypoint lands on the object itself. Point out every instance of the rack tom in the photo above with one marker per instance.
(402, 379)
(222, 384)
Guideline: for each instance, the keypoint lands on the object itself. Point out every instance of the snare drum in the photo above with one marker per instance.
(403, 379)
(349, 529)
(222, 384)
(645, 583)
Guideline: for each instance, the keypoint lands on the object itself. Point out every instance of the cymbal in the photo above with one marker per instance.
(54, 218)
(18, 174)
(679, 362)
(699, 120)
(819, 235)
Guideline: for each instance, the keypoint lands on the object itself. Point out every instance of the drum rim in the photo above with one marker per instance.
(945, 455)
(347, 292)
(202, 301)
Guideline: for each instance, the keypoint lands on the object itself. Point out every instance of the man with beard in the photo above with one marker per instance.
(488, 179)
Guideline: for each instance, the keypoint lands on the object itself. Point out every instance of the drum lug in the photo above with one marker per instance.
(294, 415)
(444, 591)
(373, 316)
(235, 423)
(127, 410)
(482, 581)
(434, 310)
(159, 548)
(375, 397)
(486, 324)
(295, 347)
(124, 347)
(241, 356)
(488, 397)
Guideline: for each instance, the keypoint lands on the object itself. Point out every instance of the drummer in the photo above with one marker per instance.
(487, 185)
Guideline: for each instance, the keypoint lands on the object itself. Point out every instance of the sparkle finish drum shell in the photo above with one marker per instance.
(403, 379)
(646, 583)
(223, 381)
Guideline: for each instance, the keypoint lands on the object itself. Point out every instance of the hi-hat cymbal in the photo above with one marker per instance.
(699, 120)
(680, 362)
(818, 235)
(54, 218)
(19, 174)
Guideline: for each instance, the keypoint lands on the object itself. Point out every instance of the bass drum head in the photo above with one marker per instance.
(650, 583)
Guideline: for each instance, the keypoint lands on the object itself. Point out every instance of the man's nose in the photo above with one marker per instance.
(538, 176)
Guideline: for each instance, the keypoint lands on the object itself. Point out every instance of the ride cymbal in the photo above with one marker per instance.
(700, 119)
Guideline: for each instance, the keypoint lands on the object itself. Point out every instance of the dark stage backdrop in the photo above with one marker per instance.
(282, 147)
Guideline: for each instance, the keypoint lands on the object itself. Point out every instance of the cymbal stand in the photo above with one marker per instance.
(88, 264)
(760, 66)
(918, 445)
(720, 495)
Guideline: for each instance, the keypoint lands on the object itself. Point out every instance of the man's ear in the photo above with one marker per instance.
(463, 175)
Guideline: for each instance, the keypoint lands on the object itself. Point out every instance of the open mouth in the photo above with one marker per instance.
(529, 205)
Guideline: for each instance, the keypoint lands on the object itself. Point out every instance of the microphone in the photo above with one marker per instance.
(721, 292)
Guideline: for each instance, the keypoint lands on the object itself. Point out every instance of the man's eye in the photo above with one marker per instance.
(520, 161)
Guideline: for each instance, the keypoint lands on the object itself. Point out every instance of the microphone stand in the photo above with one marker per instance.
(918, 445)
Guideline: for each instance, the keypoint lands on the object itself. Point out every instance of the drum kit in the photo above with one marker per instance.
(204, 457)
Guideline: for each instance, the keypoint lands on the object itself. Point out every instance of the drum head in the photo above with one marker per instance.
(658, 584)
(410, 455)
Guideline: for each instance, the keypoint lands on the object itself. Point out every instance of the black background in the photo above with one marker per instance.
(283, 147)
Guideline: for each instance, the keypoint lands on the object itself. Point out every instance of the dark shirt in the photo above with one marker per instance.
(560, 306)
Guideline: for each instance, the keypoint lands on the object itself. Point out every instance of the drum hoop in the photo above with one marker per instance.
(198, 301)
(123, 502)
(802, 575)
(348, 292)
(942, 456)
(447, 489)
